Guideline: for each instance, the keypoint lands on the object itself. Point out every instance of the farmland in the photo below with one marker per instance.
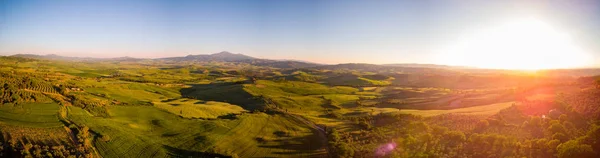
(31, 115)
(160, 108)
(160, 134)
(198, 109)
(477, 110)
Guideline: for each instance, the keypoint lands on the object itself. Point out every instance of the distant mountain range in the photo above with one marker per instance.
(241, 58)
(58, 57)
(222, 57)
(429, 66)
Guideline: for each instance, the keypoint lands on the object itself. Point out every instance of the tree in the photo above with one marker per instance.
(334, 135)
(573, 148)
(84, 131)
(560, 136)
(455, 138)
(562, 118)
(483, 123)
(105, 138)
(557, 128)
(344, 150)
(593, 137)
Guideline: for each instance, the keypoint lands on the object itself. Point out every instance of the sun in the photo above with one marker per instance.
(526, 44)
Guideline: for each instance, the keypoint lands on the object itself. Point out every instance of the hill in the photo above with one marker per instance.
(66, 58)
(428, 66)
(222, 57)
(227, 104)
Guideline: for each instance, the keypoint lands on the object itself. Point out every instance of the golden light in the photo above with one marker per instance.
(527, 44)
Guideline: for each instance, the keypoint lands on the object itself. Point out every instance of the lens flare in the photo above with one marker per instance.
(385, 149)
(525, 44)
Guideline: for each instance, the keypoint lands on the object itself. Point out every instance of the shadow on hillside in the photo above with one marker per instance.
(232, 93)
(176, 152)
(350, 105)
(310, 144)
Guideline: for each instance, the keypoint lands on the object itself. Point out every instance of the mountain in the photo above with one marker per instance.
(239, 58)
(58, 57)
(352, 66)
(279, 64)
(303, 61)
(217, 57)
(415, 65)
(297, 64)
(222, 57)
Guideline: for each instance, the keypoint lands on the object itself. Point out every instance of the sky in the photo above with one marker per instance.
(332, 31)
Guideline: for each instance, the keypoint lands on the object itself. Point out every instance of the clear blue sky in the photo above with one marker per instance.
(321, 31)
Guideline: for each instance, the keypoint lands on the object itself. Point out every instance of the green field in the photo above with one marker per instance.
(485, 110)
(273, 88)
(31, 115)
(122, 91)
(148, 108)
(190, 108)
(150, 132)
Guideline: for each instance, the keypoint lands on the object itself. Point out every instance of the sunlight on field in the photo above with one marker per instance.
(148, 131)
(189, 108)
(486, 110)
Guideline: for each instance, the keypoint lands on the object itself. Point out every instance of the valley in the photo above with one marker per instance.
(232, 105)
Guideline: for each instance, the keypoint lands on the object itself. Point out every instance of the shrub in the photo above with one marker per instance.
(573, 148)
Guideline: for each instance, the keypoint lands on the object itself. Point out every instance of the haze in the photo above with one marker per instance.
(318, 31)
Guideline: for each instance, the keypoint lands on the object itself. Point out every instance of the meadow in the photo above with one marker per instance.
(146, 108)
(484, 110)
(150, 132)
(189, 108)
(41, 115)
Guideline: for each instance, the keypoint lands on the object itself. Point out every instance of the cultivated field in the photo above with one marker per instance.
(163, 108)
(43, 115)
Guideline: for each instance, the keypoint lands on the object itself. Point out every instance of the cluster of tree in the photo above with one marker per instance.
(84, 138)
(586, 102)
(30, 150)
(95, 106)
(21, 148)
(26, 87)
(20, 88)
(507, 134)
(336, 143)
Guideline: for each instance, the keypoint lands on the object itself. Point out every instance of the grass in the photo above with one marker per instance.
(223, 92)
(344, 100)
(41, 115)
(191, 108)
(301, 76)
(486, 110)
(142, 131)
(357, 80)
(265, 87)
(375, 82)
(285, 94)
(301, 96)
(122, 91)
(299, 103)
